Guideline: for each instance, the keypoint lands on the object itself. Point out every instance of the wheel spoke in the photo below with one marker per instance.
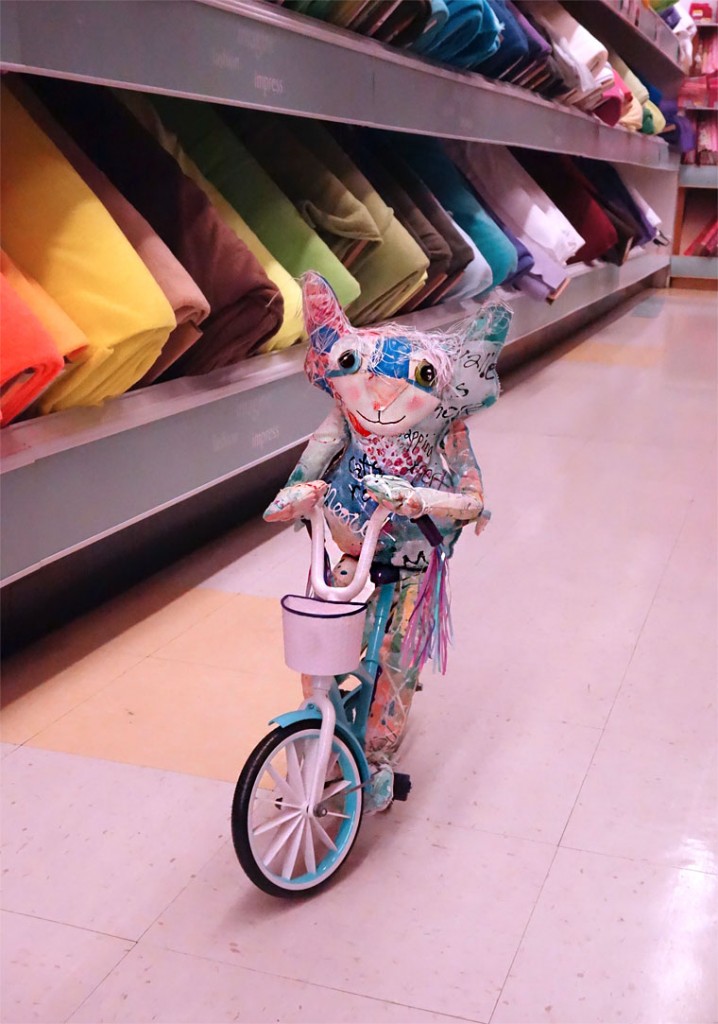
(282, 838)
(292, 853)
(294, 772)
(310, 860)
(281, 819)
(269, 796)
(335, 788)
(323, 835)
(282, 784)
(336, 814)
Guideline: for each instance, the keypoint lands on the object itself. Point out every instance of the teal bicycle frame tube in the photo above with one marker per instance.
(371, 660)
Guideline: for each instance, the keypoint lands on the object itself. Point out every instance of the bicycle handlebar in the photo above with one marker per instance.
(379, 516)
(324, 590)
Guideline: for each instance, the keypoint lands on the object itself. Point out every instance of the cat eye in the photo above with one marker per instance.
(425, 374)
(349, 361)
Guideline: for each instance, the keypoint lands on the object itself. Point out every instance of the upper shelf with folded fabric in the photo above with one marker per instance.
(257, 55)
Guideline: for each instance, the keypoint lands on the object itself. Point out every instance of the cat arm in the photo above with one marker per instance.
(305, 487)
(466, 503)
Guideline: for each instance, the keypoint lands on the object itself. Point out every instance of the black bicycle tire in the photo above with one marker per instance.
(240, 813)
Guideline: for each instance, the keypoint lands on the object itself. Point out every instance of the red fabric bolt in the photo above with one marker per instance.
(575, 197)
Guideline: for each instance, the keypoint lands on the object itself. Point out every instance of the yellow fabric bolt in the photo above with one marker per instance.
(292, 329)
(57, 230)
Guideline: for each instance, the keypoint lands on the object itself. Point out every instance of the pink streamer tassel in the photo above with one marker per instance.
(430, 630)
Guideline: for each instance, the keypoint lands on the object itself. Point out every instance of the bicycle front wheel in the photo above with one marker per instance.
(284, 848)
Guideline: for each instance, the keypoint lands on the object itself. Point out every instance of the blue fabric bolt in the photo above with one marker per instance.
(437, 21)
(456, 196)
(514, 45)
(470, 35)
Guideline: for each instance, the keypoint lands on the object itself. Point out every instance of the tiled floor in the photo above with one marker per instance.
(557, 860)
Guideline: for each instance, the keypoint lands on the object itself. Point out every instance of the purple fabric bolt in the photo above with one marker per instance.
(681, 135)
(538, 46)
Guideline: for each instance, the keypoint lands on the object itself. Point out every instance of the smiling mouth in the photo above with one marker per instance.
(386, 423)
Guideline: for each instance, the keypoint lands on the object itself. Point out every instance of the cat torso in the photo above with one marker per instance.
(416, 458)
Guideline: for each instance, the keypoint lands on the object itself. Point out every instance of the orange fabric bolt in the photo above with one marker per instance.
(29, 358)
(70, 340)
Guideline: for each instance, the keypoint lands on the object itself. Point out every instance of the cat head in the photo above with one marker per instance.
(389, 378)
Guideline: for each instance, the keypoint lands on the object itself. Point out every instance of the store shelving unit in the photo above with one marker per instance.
(694, 271)
(71, 479)
(691, 269)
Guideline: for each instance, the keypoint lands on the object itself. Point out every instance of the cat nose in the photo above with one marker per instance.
(385, 390)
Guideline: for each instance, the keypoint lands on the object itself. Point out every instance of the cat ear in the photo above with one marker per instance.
(325, 321)
(476, 382)
(321, 306)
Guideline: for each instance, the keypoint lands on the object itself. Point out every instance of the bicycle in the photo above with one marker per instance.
(299, 799)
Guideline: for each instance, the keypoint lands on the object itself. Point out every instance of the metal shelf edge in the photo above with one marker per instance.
(704, 267)
(698, 177)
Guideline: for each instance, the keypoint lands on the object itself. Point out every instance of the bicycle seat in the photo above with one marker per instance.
(380, 573)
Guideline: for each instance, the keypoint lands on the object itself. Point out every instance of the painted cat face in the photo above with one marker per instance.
(383, 392)
(390, 378)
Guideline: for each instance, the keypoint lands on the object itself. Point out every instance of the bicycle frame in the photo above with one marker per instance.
(348, 711)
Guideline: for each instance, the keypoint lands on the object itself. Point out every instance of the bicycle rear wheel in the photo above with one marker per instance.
(284, 849)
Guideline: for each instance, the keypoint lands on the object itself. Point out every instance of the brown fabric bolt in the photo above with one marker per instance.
(246, 309)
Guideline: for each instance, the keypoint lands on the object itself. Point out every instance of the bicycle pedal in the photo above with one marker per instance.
(402, 786)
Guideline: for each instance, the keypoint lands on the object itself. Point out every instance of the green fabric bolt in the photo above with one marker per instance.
(391, 273)
(432, 244)
(323, 200)
(653, 120)
(248, 188)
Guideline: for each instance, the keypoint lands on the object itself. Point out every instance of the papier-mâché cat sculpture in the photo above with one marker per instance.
(396, 435)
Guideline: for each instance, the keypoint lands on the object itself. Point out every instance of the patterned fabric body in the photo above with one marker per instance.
(415, 457)
(396, 683)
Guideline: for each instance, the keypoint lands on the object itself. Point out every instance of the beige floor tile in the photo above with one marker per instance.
(49, 969)
(160, 985)
(38, 688)
(44, 682)
(102, 846)
(611, 941)
(244, 634)
(423, 915)
(177, 716)
(149, 615)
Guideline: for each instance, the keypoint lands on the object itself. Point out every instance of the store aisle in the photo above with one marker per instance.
(557, 860)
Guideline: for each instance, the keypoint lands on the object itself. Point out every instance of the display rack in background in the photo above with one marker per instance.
(694, 263)
(185, 440)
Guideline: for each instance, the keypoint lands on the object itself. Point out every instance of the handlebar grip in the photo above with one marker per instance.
(430, 530)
